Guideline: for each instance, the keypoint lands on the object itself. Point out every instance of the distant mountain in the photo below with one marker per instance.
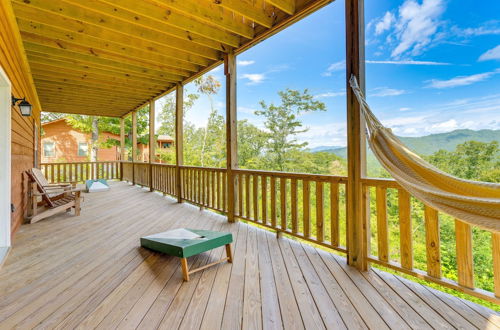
(325, 148)
(429, 144)
(426, 145)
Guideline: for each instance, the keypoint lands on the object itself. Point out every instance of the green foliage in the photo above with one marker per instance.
(471, 160)
(283, 125)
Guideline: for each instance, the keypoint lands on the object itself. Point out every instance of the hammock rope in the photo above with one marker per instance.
(474, 202)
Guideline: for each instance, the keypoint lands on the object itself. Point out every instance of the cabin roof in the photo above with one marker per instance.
(110, 57)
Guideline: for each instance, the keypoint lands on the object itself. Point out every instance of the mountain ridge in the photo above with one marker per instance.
(428, 144)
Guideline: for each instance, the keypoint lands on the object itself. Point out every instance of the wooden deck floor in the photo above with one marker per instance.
(89, 272)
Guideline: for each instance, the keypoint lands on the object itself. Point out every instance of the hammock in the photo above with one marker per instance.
(477, 203)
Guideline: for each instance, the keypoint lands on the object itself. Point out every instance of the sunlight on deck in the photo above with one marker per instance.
(90, 271)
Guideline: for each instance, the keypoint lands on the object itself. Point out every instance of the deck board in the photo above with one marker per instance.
(90, 272)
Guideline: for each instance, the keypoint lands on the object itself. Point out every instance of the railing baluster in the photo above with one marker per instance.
(306, 216)
(240, 195)
(334, 214)
(247, 196)
(465, 263)
(294, 210)
(320, 236)
(264, 198)
(283, 203)
(495, 249)
(405, 228)
(255, 199)
(432, 242)
(273, 200)
(382, 225)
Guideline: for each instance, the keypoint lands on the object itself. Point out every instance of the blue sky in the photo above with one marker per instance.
(432, 66)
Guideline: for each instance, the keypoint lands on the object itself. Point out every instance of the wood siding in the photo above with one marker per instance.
(13, 61)
(66, 140)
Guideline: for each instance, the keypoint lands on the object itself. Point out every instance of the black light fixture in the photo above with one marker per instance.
(24, 106)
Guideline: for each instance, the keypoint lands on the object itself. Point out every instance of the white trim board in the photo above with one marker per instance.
(5, 159)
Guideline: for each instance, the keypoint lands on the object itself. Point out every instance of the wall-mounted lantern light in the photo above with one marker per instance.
(24, 106)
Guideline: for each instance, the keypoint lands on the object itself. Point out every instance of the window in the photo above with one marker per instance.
(49, 149)
(83, 148)
(165, 145)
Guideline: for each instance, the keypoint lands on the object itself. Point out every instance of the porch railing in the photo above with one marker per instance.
(431, 220)
(313, 208)
(81, 171)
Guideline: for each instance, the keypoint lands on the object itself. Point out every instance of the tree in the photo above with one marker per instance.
(209, 85)
(471, 160)
(283, 125)
(251, 143)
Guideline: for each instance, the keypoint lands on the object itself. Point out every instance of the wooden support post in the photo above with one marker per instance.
(231, 135)
(122, 146)
(179, 123)
(356, 143)
(134, 144)
(152, 142)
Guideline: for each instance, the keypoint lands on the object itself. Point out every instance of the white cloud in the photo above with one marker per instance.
(254, 78)
(407, 62)
(384, 91)
(460, 80)
(487, 28)
(337, 66)
(492, 54)
(247, 110)
(245, 62)
(385, 23)
(328, 134)
(404, 109)
(416, 26)
(330, 94)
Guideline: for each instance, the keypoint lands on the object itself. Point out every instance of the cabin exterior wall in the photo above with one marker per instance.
(25, 131)
(66, 142)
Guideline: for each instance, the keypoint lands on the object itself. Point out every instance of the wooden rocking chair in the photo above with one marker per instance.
(55, 197)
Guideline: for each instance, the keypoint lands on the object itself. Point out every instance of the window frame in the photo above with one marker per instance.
(53, 148)
(86, 151)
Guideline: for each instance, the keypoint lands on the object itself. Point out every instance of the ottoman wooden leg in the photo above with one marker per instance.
(185, 270)
(229, 253)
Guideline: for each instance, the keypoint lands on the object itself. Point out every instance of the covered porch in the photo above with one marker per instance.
(89, 271)
(113, 58)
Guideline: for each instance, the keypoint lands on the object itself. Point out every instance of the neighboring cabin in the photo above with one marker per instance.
(63, 143)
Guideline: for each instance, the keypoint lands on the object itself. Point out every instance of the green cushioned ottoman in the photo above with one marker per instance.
(184, 243)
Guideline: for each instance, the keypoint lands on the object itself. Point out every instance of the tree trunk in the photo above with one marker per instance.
(94, 139)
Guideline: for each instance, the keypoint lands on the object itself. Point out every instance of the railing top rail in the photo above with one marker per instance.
(312, 177)
(89, 162)
(381, 182)
(203, 168)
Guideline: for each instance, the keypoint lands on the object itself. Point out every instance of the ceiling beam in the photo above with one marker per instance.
(57, 65)
(92, 44)
(255, 10)
(95, 24)
(76, 91)
(83, 111)
(41, 79)
(68, 30)
(61, 62)
(177, 20)
(72, 50)
(208, 12)
(114, 83)
(288, 6)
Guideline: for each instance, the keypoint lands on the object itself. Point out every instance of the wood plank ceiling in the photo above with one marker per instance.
(108, 57)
